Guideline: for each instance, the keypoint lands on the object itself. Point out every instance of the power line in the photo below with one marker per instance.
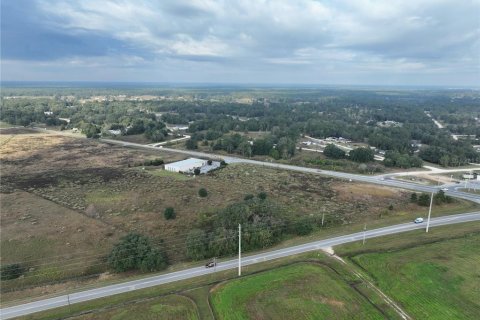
(180, 242)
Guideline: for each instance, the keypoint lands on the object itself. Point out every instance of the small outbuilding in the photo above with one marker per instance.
(185, 166)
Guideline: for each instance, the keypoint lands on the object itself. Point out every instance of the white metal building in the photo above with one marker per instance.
(187, 165)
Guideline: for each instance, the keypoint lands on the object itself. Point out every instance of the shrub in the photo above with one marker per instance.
(262, 195)
(303, 227)
(413, 197)
(169, 213)
(361, 155)
(134, 252)
(223, 163)
(209, 162)
(202, 192)
(11, 271)
(424, 200)
(390, 207)
(191, 144)
(332, 151)
(197, 244)
(154, 162)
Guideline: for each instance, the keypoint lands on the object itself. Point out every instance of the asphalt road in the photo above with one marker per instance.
(381, 179)
(128, 286)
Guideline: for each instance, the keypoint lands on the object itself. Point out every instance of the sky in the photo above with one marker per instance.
(358, 42)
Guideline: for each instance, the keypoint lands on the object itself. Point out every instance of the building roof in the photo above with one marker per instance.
(187, 163)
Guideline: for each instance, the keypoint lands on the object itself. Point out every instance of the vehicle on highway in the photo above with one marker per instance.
(444, 189)
(210, 264)
(418, 220)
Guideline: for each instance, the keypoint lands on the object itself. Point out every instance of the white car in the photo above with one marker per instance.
(418, 220)
(444, 189)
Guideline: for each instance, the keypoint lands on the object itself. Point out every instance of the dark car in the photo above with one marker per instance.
(210, 264)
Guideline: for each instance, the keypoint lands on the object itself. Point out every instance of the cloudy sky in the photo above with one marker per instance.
(394, 42)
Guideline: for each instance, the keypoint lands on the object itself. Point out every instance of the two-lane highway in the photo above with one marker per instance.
(127, 286)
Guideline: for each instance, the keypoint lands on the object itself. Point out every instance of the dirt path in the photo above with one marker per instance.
(384, 297)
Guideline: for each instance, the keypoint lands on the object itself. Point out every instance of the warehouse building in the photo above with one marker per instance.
(185, 166)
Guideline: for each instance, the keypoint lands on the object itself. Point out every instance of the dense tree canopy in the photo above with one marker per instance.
(135, 252)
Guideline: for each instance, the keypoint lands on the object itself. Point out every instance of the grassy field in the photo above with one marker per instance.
(433, 280)
(301, 291)
(170, 307)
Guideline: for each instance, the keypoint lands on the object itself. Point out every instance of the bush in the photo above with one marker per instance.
(413, 197)
(424, 200)
(332, 151)
(223, 163)
(154, 162)
(440, 197)
(134, 252)
(197, 244)
(196, 171)
(11, 271)
(202, 192)
(262, 195)
(209, 162)
(303, 227)
(191, 144)
(361, 155)
(169, 213)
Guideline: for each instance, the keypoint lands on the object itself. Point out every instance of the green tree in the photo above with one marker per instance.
(197, 244)
(196, 171)
(245, 149)
(202, 192)
(440, 197)
(11, 271)
(135, 252)
(413, 197)
(361, 155)
(303, 226)
(262, 195)
(169, 213)
(424, 200)
(334, 152)
(191, 144)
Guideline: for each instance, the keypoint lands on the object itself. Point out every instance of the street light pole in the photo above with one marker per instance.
(239, 250)
(429, 212)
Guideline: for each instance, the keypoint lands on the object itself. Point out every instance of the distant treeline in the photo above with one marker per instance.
(393, 121)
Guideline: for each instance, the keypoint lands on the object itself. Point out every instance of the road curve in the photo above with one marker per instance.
(64, 300)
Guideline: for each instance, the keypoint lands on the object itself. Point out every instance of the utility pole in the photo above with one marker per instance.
(323, 218)
(239, 250)
(429, 212)
(364, 230)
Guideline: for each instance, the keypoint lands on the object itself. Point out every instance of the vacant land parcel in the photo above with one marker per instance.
(433, 281)
(301, 291)
(66, 201)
